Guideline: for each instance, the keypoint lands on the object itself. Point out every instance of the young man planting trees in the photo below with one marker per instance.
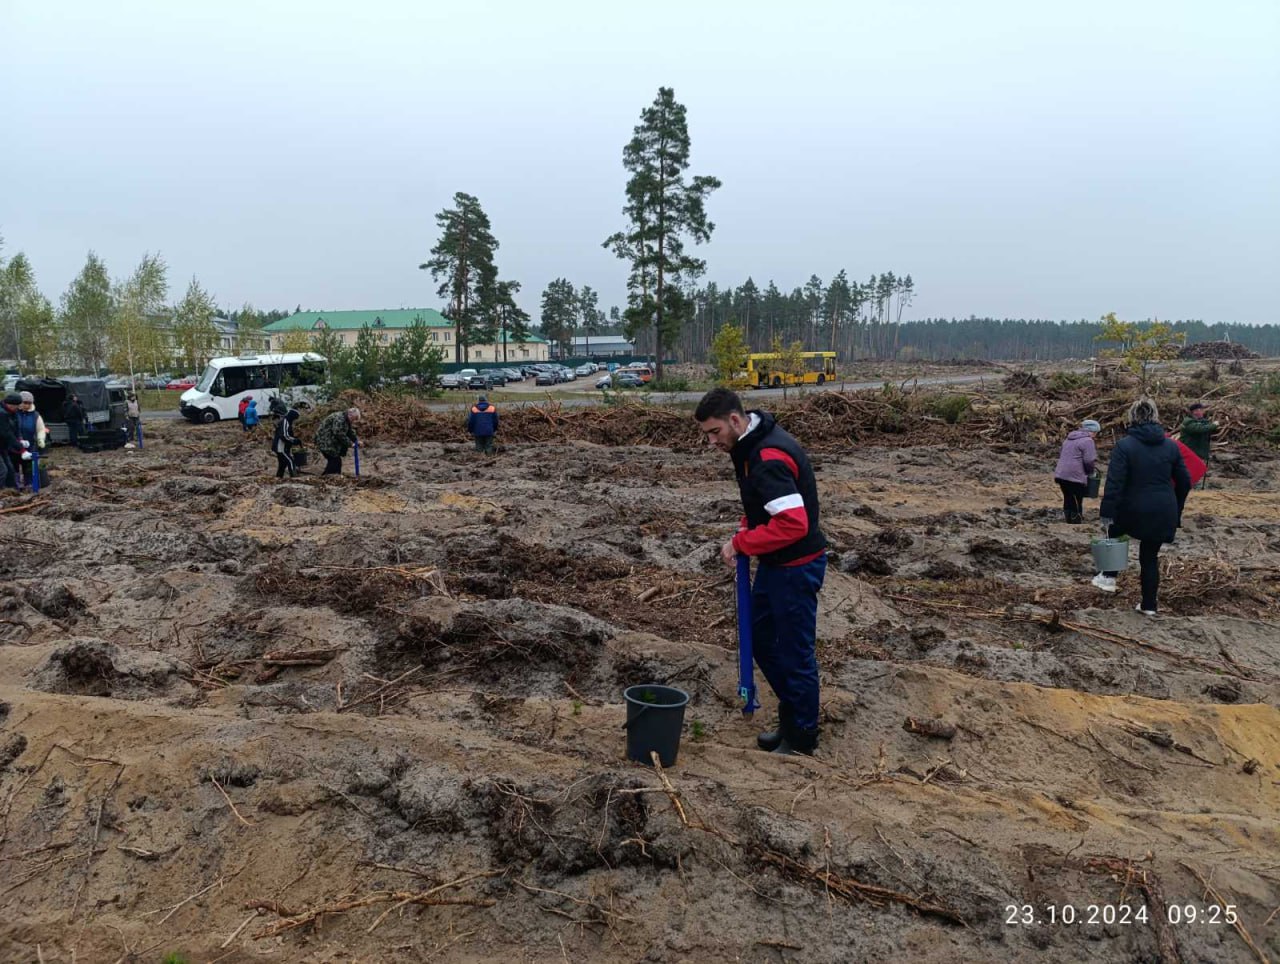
(780, 528)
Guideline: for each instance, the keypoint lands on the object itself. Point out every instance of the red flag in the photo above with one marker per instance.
(1195, 464)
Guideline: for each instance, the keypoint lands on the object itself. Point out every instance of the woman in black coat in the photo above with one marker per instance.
(1147, 485)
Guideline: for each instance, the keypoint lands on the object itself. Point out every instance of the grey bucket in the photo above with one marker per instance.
(1110, 555)
(654, 724)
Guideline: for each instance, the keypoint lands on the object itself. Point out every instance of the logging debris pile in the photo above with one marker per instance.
(827, 421)
(1220, 350)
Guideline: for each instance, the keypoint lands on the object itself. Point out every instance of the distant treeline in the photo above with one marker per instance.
(867, 320)
(1020, 339)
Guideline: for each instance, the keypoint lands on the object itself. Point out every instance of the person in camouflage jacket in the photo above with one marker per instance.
(334, 436)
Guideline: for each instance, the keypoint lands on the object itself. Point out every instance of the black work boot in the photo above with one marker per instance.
(798, 741)
(770, 741)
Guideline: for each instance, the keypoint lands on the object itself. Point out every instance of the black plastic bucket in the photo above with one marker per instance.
(655, 717)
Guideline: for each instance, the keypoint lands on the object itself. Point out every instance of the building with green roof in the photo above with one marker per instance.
(388, 323)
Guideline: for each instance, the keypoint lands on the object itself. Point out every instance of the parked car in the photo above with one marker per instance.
(605, 381)
(547, 378)
(627, 380)
(414, 380)
(452, 380)
(585, 370)
(513, 374)
(486, 381)
(181, 384)
(643, 372)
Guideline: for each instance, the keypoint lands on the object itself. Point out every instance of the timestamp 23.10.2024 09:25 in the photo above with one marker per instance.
(1121, 914)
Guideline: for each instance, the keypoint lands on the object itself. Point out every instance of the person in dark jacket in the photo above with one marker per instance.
(1196, 432)
(482, 425)
(277, 407)
(282, 444)
(32, 434)
(75, 416)
(780, 528)
(1147, 486)
(1075, 464)
(10, 444)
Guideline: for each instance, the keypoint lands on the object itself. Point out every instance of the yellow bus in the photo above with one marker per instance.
(760, 369)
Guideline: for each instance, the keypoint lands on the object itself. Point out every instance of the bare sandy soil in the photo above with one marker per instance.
(379, 720)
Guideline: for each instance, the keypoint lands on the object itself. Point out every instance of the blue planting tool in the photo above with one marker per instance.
(746, 671)
(355, 447)
(139, 433)
(35, 471)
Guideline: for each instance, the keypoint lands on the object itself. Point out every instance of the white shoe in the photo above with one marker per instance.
(1105, 583)
(1145, 612)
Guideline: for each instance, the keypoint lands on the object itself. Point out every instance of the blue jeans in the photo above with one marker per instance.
(784, 635)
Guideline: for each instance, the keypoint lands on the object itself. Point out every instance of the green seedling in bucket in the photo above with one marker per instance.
(1096, 539)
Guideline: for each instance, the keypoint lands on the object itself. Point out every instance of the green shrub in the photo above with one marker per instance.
(893, 395)
(669, 384)
(890, 421)
(1068, 382)
(1268, 386)
(950, 408)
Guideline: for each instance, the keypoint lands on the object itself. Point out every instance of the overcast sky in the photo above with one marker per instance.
(1018, 159)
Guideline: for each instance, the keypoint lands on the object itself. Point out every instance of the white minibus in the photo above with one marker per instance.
(295, 376)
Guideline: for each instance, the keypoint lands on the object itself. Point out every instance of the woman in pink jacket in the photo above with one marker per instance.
(1075, 463)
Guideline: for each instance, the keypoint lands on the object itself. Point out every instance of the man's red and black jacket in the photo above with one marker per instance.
(779, 496)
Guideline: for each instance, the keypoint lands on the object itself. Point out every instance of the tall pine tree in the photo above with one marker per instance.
(560, 314)
(513, 321)
(746, 306)
(837, 302)
(662, 210)
(590, 317)
(462, 262)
